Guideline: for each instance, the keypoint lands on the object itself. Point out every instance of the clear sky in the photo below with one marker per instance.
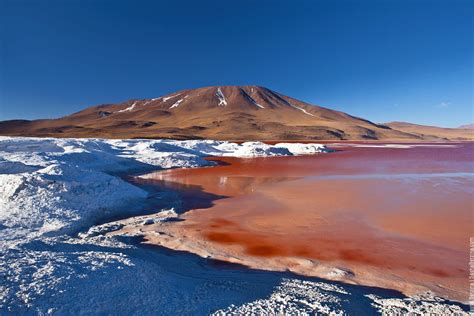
(382, 60)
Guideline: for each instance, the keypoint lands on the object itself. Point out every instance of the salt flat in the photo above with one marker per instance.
(61, 198)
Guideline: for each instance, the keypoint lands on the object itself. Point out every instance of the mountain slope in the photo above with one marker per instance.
(226, 112)
(467, 126)
(427, 132)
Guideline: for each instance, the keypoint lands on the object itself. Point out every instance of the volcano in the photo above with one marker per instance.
(218, 112)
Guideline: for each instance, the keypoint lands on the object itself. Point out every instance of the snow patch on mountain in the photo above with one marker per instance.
(177, 103)
(301, 109)
(221, 97)
(171, 97)
(246, 95)
(255, 102)
(128, 109)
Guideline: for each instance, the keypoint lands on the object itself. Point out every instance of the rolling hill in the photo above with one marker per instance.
(467, 126)
(427, 132)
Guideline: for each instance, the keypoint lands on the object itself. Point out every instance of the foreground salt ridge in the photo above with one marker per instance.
(52, 185)
(52, 188)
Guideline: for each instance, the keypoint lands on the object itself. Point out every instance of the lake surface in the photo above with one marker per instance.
(392, 216)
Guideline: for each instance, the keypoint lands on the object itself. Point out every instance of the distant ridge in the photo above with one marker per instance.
(467, 126)
(427, 132)
(218, 112)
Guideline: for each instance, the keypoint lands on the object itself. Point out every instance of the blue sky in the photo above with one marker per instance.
(382, 60)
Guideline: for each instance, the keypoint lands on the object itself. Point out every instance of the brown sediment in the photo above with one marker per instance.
(221, 237)
(369, 210)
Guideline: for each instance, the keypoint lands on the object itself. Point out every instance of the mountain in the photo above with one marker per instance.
(467, 126)
(427, 132)
(221, 112)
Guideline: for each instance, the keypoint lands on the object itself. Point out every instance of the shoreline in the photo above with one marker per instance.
(175, 238)
(159, 234)
(266, 141)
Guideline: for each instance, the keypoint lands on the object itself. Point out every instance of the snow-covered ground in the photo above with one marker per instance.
(56, 258)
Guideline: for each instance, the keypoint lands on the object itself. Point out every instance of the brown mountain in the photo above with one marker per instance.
(433, 132)
(226, 112)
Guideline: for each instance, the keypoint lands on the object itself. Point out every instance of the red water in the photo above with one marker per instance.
(406, 211)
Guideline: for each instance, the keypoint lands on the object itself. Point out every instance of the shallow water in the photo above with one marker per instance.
(406, 212)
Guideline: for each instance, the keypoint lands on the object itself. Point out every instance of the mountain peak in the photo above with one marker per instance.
(232, 97)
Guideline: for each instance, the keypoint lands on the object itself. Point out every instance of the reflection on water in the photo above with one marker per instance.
(404, 210)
